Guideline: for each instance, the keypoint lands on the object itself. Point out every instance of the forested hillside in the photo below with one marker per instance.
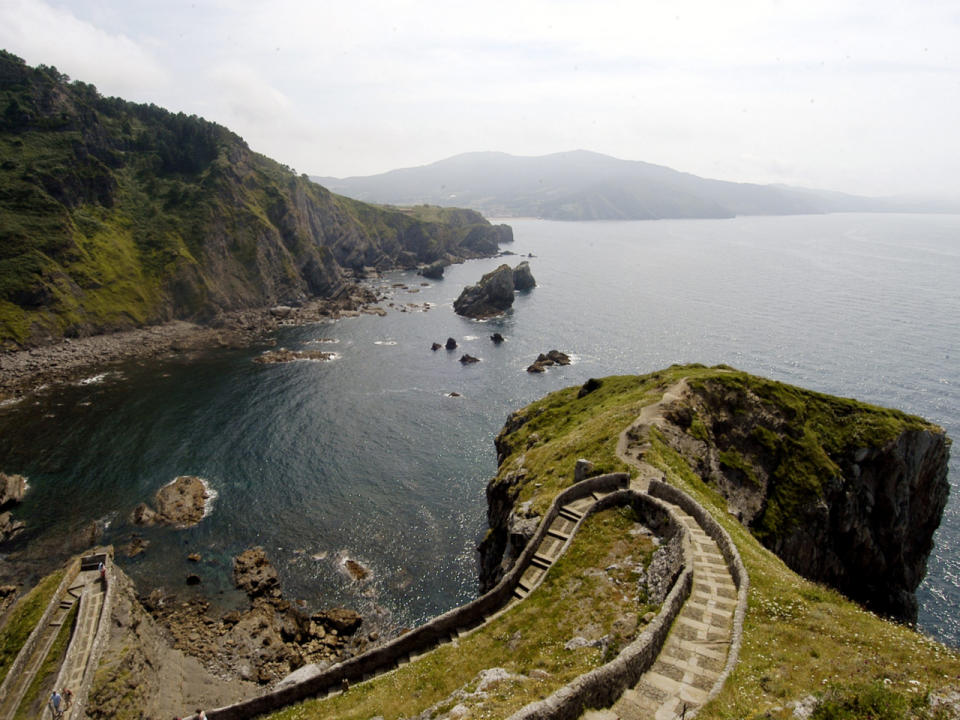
(117, 214)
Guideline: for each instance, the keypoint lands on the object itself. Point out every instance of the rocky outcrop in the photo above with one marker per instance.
(282, 355)
(181, 503)
(434, 270)
(12, 490)
(846, 494)
(254, 574)
(523, 278)
(543, 361)
(494, 293)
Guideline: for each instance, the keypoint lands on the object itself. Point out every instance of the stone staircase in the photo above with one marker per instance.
(18, 685)
(695, 654)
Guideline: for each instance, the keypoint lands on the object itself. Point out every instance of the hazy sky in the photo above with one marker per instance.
(855, 96)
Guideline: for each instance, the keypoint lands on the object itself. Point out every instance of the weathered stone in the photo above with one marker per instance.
(582, 470)
(497, 338)
(253, 573)
(434, 270)
(12, 489)
(522, 277)
(467, 359)
(436, 346)
(339, 620)
(193, 579)
(451, 344)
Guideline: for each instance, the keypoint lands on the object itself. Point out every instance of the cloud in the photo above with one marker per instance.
(43, 34)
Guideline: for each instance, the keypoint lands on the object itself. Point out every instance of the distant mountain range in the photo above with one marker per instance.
(582, 185)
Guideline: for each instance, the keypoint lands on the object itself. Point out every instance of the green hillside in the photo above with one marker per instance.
(117, 214)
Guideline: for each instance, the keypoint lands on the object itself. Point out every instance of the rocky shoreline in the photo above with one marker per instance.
(72, 359)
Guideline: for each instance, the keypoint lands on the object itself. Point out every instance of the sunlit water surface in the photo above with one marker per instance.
(367, 457)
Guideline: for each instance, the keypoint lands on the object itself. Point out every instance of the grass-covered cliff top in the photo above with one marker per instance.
(800, 638)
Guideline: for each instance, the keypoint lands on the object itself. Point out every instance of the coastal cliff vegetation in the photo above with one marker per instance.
(804, 643)
(118, 214)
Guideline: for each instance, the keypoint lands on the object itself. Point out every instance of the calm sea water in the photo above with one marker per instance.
(367, 457)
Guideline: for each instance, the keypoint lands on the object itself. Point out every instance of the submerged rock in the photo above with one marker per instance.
(12, 489)
(253, 573)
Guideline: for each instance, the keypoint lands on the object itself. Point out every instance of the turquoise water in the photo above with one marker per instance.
(367, 457)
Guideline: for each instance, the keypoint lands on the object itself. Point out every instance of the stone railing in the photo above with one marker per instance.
(734, 563)
(34, 638)
(604, 685)
(100, 640)
(427, 636)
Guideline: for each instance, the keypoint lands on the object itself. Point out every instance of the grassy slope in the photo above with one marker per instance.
(23, 618)
(40, 689)
(800, 638)
(573, 600)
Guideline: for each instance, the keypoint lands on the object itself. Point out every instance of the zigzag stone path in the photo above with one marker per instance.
(694, 656)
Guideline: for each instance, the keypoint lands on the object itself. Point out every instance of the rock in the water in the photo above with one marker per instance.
(282, 355)
(254, 574)
(9, 528)
(344, 621)
(436, 346)
(182, 503)
(497, 338)
(554, 357)
(194, 557)
(494, 293)
(12, 489)
(451, 344)
(434, 270)
(523, 278)
(193, 579)
(356, 570)
(467, 359)
(143, 514)
(136, 546)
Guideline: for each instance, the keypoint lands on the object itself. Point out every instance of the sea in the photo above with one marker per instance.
(382, 454)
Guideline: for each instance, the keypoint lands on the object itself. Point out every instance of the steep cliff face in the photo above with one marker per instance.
(845, 493)
(117, 215)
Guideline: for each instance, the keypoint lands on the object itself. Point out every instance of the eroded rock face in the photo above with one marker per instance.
(494, 293)
(253, 573)
(858, 515)
(12, 489)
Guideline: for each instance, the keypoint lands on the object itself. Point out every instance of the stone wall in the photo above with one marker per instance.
(30, 645)
(734, 563)
(427, 636)
(604, 685)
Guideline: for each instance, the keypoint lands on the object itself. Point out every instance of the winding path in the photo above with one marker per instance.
(691, 666)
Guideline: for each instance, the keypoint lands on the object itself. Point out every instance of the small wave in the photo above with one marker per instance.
(471, 337)
(323, 341)
(94, 379)
(384, 342)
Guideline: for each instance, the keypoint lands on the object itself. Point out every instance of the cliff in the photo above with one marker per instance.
(845, 493)
(117, 215)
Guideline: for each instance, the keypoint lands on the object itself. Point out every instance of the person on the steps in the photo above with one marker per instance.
(103, 572)
(55, 700)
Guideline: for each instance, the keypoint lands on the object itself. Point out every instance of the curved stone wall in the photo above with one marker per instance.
(427, 636)
(604, 685)
(734, 563)
(30, 645)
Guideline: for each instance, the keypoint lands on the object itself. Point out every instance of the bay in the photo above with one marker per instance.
(367, 457)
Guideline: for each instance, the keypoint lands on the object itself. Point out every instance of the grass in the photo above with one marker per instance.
(803, 639)
(577, 598)
(23, 618)
(36, 695)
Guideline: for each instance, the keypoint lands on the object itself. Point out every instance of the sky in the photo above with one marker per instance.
(856, 96)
